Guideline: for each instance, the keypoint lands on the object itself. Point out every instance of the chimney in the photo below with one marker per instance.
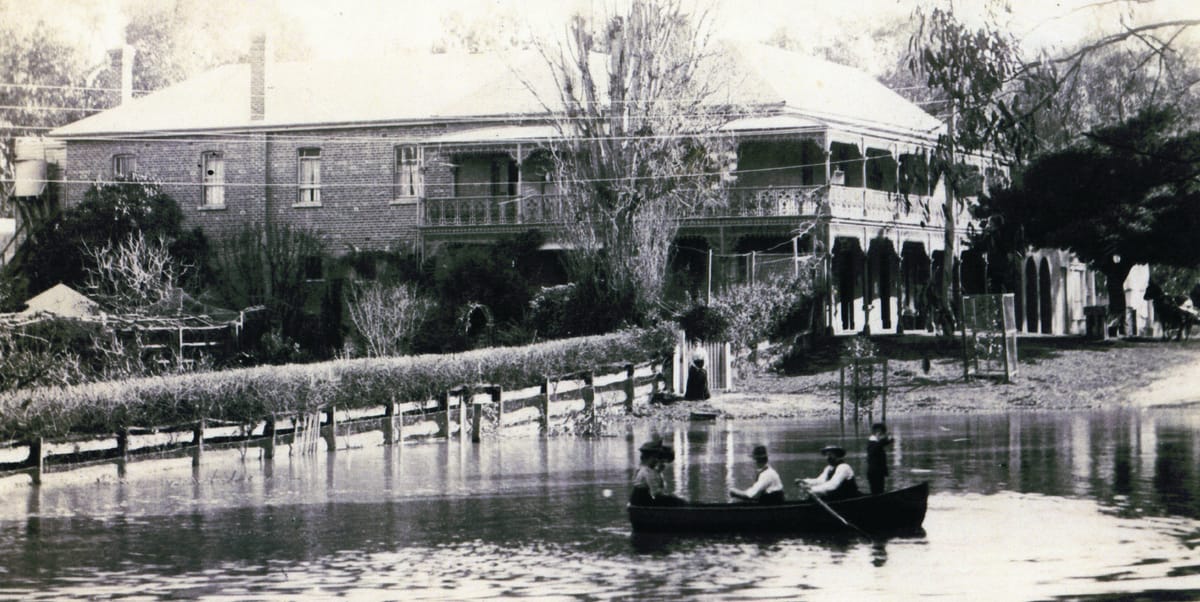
(121, 60)
(259, 55)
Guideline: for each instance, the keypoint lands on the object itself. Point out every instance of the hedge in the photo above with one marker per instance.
(251, 394)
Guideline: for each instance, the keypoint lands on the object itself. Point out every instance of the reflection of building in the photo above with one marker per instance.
(434, 150)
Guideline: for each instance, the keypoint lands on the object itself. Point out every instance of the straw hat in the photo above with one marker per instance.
(836, 450)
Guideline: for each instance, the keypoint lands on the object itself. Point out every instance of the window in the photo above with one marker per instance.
(408, 183)
(310, 177)
(212, 175)
(123, 165)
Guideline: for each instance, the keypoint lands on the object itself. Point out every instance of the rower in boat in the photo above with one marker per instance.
(767, 487)
(836, 481)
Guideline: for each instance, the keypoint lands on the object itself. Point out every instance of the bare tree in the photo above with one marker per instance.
(132, 274)
(641, 146)
(387, 317)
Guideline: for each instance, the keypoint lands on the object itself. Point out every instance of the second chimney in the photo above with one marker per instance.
(259, 56)
(121, 60)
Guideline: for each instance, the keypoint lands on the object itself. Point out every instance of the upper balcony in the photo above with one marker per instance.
(789, 178)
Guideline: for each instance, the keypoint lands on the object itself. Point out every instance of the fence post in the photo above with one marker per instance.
(331, 434)
(464, 403)
(498, 399)
(269, 435)
(444, 405)
(37, 459)
(198, 440)
(629, 388)
(727, 365)
(123, 443)
(655, 374)
(544, 402)
(589, 400)
(389, 422)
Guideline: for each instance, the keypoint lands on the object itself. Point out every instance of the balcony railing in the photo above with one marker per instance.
(783, 201)
(493, 211)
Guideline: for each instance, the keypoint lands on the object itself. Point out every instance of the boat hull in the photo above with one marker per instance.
(894, 510)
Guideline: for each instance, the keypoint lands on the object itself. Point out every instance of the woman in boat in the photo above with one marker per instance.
(767, 487)
(836, 481)
(647, 482)
(697, 378)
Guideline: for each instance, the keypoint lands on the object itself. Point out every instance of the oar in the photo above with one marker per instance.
(834, 513)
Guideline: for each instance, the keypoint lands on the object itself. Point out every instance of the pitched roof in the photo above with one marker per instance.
(449, 87)
(61, 300)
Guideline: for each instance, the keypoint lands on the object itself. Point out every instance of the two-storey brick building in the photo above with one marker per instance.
(419, 151)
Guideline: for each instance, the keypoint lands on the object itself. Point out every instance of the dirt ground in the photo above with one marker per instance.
(1053, 373)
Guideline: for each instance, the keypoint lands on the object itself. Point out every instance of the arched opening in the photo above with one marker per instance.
(848, 276)
(1046, 300)
(882, 268)
(1031, 296)
(974, 272)
(914, 270)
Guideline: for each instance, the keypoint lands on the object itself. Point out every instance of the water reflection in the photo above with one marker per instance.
(1101, 502)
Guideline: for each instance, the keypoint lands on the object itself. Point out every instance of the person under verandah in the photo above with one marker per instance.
(767, 487)
(836, 480)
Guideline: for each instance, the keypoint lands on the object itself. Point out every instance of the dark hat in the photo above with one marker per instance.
(667, 453)
(653, 446)
(835, 450)
(879, 426)
(760, 451)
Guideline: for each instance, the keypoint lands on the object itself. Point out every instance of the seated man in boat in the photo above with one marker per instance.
(836, 481)
(767, 487)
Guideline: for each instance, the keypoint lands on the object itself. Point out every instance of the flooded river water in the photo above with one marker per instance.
(1025, 506)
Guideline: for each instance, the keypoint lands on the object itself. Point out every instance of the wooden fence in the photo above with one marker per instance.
(466, 411)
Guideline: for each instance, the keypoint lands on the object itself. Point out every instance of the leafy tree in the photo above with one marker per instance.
(269, 265)
(1126, 195)
(637, 132)
(108, 215)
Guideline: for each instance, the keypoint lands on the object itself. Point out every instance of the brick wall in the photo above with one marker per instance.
(358, 208)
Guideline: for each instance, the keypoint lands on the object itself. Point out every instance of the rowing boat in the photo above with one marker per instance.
(893, 510)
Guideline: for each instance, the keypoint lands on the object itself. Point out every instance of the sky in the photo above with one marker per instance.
(350, 27)
(355, 28)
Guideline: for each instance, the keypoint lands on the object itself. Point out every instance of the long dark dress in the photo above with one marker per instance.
(697, 382)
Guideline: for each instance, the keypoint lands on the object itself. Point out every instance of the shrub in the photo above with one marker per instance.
(250, 394)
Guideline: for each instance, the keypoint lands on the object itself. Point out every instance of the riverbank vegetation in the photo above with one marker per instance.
(251, 394)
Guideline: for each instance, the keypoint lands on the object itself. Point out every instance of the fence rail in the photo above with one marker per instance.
(464, 411)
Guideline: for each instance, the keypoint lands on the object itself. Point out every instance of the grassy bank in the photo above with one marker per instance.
(1053, 373)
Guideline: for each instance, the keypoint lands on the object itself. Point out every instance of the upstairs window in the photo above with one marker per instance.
(309, 181)
(123, 165)
(407, 178)
(212, 176)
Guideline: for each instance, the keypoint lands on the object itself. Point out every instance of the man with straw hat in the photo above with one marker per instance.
(767, 487)
(836, 481)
